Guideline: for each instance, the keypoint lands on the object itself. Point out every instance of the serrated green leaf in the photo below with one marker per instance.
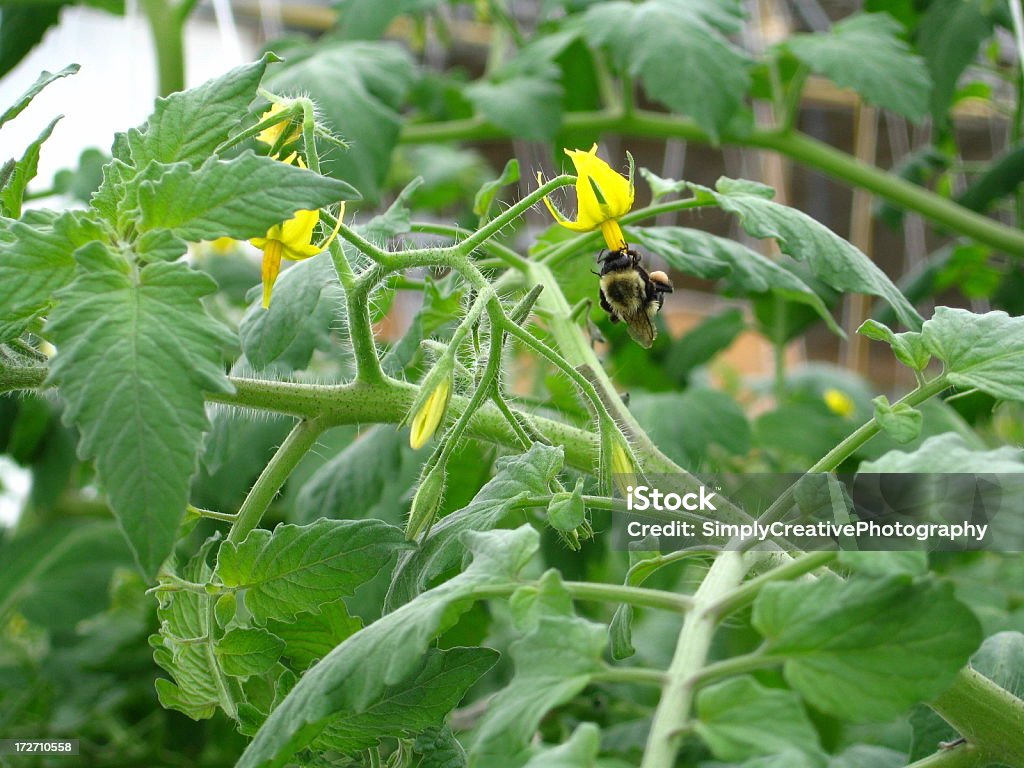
(1001, 660)
(44, 79)
(12, 193)
(180, 647)
(580, 751)
(832, 259)
(248, 651)
(984, 351)
(188, 126)
(900, 421)
(160, 245)
(361, 104)
(298, 568)
(311, 636)
(387, 651)
(746, 272)
(908, 347)
(240, 198)
(420, 701)
(892, 76)
(678, 36)
(36, 261)
(866, 649)
(528, 474)
(739, 719)
(662, 187)
(553, 663)
(135, 389)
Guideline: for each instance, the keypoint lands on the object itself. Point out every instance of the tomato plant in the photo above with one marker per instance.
(267, 527)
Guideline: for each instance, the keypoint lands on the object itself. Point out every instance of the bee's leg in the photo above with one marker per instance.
(608, 308)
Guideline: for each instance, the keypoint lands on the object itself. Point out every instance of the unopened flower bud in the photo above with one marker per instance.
(429, 412)
(425, 503)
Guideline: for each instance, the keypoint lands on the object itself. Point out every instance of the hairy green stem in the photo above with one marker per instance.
(985, 714)
(795, 145)
(690, 657)
(736, 665)
(302, 437)
(629, 675)
(959, 756)
(601, 593)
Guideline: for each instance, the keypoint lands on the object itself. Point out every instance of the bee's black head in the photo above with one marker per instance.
(617, 261)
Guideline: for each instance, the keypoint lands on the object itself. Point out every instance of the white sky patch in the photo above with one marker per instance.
(15, 483)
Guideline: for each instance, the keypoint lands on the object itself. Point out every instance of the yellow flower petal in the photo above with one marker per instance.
(840, 403)
(602, 196)
(271, 267)
(429, 416)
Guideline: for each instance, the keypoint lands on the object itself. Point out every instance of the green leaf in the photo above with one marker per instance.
(418, 702)
(358, 88)
(947, 453)
(438, 748)
(12, 193)
(188, 126)
(299, 568)
(308, 301)
(912, 563)
(369, 19)
(181, 647)
(892, 76)
(711, 419)
(832, 259)
(740, 719)
(311, 636)
(580, 751)
(948, 37)
(135, 389)
(527, 105)
(37, 261)
(984, 351)
(243, 652)
(866, 649)
(662, 187)
(371, 478)
(1001, 660)
(554, 661)
(747, 272)
(240, 198)
(355, 673)
(44, 79)
(528, 474)
(160, 245)
(908, 347)
(901, 422)
(58, 575)
(678, 36)
(485, 197)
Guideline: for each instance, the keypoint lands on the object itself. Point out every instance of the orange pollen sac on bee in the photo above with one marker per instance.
(659, 277)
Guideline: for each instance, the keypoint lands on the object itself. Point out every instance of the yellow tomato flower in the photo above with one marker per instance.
(270, 136)
(840, 403)
(291, 240)
(602, 197)
(429, 415)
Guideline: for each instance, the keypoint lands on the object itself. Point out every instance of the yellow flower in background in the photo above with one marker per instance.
(840, 403)
(271, 135)
(602, 196)
(291, 240)
(429, 415)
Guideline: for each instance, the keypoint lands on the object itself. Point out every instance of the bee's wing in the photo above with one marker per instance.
(640, 328)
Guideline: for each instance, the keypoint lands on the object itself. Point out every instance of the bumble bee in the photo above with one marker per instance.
(632, 294)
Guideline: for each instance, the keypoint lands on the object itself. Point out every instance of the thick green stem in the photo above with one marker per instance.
(960, 756)
(989, 717)
(302, 437)
(601, 593)
(804, 149)
(630, 675)
(673, 710)
(167, 25)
